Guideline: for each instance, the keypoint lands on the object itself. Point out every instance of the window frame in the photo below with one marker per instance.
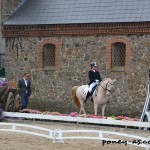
(109, 43)
(114, 47)
(54, 56)
(40, 45)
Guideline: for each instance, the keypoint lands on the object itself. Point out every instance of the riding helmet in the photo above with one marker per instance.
(93, 64)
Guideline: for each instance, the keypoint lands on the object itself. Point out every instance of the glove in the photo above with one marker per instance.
(97, 81)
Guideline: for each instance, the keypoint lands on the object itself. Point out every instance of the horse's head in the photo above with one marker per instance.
(110, 84)
(107, 84)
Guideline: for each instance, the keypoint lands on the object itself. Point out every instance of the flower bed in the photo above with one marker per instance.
(75, 114)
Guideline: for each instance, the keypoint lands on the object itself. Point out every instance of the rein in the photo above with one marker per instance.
(105, 87)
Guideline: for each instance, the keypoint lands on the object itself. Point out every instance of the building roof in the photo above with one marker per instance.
(33, 12)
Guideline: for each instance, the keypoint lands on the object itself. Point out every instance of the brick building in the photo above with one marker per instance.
(55, 41)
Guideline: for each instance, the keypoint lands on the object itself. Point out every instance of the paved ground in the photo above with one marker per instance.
(19, 141)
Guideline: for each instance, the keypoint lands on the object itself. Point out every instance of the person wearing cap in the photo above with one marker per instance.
(95, 79)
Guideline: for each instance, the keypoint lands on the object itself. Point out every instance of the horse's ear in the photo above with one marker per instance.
(114, 80)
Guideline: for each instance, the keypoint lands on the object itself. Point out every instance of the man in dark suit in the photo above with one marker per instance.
(94, 77)
(24, 86)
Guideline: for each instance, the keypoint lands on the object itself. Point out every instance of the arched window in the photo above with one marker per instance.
(49, 53)
(118, 51)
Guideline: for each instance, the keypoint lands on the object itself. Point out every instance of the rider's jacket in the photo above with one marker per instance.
(94, 75)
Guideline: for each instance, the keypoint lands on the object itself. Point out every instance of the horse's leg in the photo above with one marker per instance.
(95, 108)
(103, 109)
(82, 108)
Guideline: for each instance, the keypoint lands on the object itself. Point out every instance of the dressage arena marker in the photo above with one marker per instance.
(58, 135)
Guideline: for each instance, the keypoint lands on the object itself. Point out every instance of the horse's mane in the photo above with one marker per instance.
(105, 79)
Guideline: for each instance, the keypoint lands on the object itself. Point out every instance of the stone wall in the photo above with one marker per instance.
(2, 42)
(51, 88)
(8, 7)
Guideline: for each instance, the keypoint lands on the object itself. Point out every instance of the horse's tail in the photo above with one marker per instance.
(74, 96)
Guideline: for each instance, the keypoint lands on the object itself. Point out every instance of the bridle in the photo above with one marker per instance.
(106, 86)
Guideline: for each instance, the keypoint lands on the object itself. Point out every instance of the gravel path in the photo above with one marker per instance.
(19, 141)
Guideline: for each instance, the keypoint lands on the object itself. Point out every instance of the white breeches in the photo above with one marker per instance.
(91, 86)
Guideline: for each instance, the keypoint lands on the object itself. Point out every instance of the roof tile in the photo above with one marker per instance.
(80, 11)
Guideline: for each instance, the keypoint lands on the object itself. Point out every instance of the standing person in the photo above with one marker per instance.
(24, 86)
(94, 77)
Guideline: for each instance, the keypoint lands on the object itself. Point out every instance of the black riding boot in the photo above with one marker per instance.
(87, 96)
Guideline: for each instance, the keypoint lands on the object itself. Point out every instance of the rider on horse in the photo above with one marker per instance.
(95, 79)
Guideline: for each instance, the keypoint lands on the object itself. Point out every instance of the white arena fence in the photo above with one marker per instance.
(122, 123)
(58, 135)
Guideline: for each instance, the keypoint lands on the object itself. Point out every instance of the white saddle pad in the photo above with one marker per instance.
(85, 91)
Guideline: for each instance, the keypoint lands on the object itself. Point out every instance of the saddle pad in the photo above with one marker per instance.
(85, 91)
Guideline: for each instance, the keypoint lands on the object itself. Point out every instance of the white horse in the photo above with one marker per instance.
(101, 95)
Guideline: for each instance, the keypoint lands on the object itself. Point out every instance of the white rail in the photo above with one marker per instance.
(78, 119)
(58, 135)
(12, 127)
